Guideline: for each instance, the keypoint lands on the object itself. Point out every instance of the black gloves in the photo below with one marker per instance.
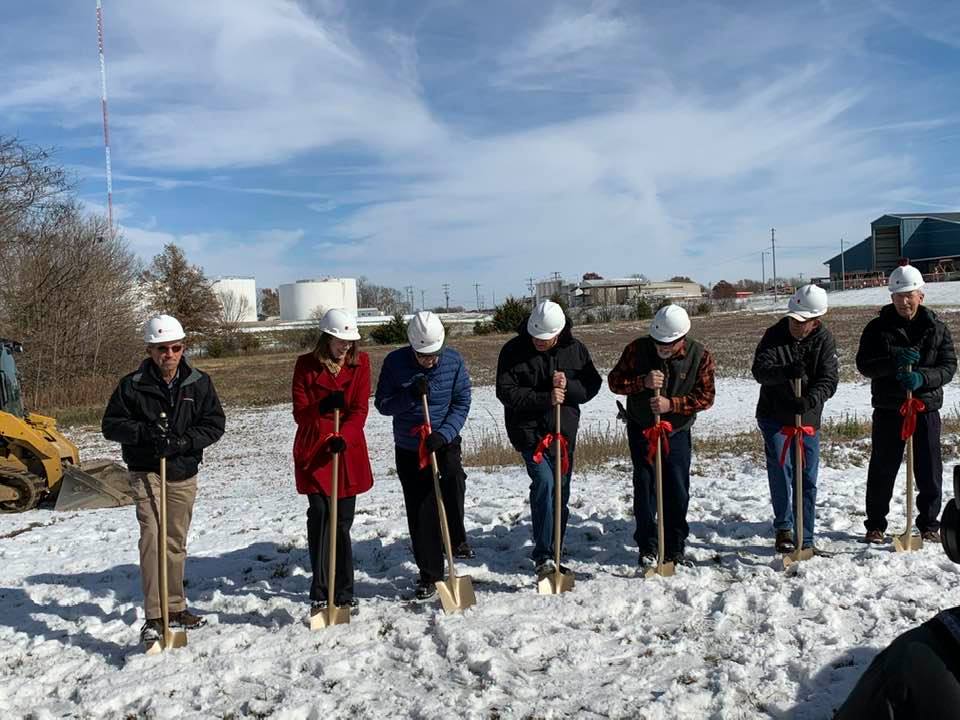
(801, 405)
(435, 441)
(333, 401)
(904, 356)
(336, 444)
(795, 370)
(419, 387)
(166, 445)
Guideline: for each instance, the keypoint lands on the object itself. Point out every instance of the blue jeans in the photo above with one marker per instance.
(782, 478)
(541, 503)
(675, 466)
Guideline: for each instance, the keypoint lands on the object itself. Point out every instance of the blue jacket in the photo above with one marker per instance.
(449, 395)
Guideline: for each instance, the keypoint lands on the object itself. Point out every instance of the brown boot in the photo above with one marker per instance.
(784, 542)
(186, 619)
(874, 537)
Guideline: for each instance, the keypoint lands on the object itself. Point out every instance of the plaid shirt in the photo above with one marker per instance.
(623, 380)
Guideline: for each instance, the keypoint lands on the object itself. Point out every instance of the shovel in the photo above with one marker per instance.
(908, 542)
(332, 615)
(799, 553)
(456, 593)
(558, 581)
(172, 639)
(663, 569)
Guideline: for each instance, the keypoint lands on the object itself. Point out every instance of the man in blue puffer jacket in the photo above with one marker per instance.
(409, 373)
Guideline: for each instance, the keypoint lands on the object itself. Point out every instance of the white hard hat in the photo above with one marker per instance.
(546, 321)
(670, 324)
(905, 278)
(162, 328)
(425, 333)
(808, 302)
(340, 324)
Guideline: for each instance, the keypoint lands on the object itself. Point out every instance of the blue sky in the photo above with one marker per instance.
(422, 143)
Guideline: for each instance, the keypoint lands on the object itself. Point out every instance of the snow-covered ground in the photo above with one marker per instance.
(735, 636)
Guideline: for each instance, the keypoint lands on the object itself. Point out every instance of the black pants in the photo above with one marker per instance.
(885, 457)
(916, 676)
(421, 503)
(318, 541)
(676, 492)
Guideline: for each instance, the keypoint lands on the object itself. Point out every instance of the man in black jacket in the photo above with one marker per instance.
(798, 346)
(542, 367)
(906, 347)
(164, 383)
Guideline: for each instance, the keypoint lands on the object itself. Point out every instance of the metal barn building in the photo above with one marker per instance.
(930, 240)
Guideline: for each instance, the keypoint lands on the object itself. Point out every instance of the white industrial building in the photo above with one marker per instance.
(238, 296)
(308, 299)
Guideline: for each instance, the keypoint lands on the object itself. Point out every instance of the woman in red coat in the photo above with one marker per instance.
(336, 375)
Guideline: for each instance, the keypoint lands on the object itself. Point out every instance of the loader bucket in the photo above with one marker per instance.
(94, 484)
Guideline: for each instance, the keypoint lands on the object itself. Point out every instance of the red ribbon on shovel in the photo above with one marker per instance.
(660, 429)
(911, 406)
(545, 445)
(423, 455)
(790, 432)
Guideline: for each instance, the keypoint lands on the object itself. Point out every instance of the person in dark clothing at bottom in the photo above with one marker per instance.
(427, 368)
(906, 347)
(683, 371)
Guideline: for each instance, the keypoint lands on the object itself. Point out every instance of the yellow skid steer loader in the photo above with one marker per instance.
(38, 463)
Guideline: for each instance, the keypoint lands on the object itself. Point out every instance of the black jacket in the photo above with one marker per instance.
(193, 411)
(927, 333)
(778, 350)
(525, 383)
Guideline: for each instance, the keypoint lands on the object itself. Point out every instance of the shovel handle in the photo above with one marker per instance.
(162, 555)
(658, 467)
(909, 530)
(441, 510)
(798, 473)
(332, 531)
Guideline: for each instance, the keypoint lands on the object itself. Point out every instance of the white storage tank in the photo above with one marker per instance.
(238, 295)
(307, 299)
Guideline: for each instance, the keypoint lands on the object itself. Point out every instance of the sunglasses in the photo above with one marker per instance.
(163, 349)
(427, 356)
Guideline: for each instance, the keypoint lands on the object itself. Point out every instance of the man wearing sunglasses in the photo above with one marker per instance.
(427, 368)
(164, 383)
(670, 375)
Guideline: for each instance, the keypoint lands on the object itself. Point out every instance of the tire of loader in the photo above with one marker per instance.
(94, 484)
(28, 486)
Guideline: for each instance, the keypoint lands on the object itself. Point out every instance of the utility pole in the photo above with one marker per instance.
(532, 288)
(446, 294)
(773, 245)
(763, 271)
(494, 293)
(409, 289)
(843, 269)
(423, 301)
(476, 288)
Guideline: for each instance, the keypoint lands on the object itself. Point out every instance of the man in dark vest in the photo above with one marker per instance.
(683, 371)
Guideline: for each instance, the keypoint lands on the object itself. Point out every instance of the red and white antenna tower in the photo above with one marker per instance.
(106, 123)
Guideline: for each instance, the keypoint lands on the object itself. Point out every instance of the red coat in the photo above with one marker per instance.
(312, 461)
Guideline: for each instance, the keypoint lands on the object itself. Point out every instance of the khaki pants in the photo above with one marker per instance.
(180, 497)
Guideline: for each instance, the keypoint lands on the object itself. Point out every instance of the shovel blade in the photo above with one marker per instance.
(333, 615)
(555, 583)
(796, 556)
(908, 542)
(172, 640)
(666, 569)
(456, 595)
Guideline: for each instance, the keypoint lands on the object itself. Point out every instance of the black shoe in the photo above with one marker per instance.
(317, 607)
(678, 558)
(784, 542)
(187, 620)
(647, 559)
(463, 551)
(151, 632)
(932, 536)
(426, 589)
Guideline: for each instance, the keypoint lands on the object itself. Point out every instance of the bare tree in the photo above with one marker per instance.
(268, 302)
(29, 183)
(69, 296)
(234, 307)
